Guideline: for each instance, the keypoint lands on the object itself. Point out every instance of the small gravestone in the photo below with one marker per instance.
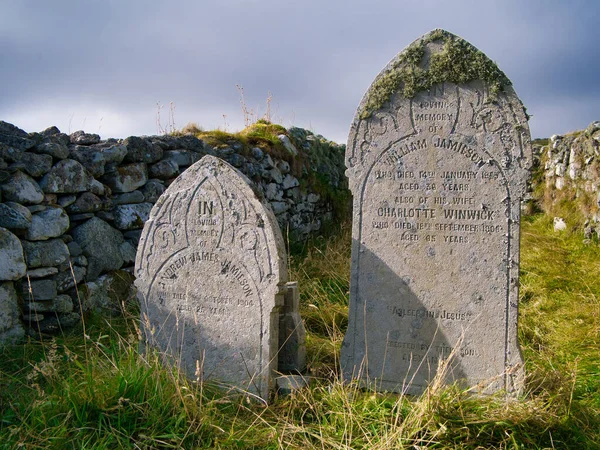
(211, 274)
(438, 158)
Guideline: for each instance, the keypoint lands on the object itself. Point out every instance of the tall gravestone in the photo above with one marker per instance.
(438, 158)
(211, 275)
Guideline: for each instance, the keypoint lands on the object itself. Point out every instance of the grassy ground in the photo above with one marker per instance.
(99, 392)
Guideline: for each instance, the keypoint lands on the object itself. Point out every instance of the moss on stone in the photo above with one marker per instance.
(457, 62)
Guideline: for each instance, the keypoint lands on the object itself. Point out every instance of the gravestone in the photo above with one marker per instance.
(211, 275)
(438, 158)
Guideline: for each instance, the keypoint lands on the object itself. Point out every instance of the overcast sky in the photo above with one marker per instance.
(102, 65)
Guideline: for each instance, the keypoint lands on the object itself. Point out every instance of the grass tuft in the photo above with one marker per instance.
(101, 392)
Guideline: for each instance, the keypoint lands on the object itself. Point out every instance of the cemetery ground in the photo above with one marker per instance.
(99, 392)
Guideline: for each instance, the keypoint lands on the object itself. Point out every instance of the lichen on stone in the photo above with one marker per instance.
(457, 62)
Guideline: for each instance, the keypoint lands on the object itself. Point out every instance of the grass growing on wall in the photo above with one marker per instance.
(98, 392)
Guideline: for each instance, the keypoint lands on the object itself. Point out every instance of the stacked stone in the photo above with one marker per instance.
(72, 208)
(573, 162)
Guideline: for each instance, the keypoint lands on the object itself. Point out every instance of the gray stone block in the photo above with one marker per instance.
(127, 178)
(14, 216)
(50, 223)
(437, 176)
(66, 177)
(12, 263)
(211, 260)
(35, 290)
(101, 245)
(11, 329)
(131, 217)
(45, 253)
(21, 188)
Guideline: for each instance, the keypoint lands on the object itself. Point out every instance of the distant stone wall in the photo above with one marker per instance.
(72, 208)
(569, 181)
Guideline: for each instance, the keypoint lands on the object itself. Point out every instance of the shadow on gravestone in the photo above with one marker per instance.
(438, 158)
(405, 343)
(211, 272)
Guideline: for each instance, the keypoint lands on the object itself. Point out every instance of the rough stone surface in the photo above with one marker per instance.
(127, 178)
(108, 292)
(83, 138)
(292, 335)
(80, 217)
(288, 144)
(288, 384)
(57, 323)
(14, 216)
(437, 181)
(54, 148)
(42, 272)
(38, 289)
(11, 329)
(36, 208)
(90, 158)
(66, 200)
(131, 217)
(129, 197)
(86, 202)
(96, 157)
(152, 190)
(21, 188)
(290, 182)
(128, 252)
(61, 304)
(12, 263)
(52, 222)
(16, 142)
(9, 154)
(83, 162)
(211, 260)
(163, 170)
(66, 280)
(181, 157)
(81, 261)
(570, 163)
(74, 249)
(142, 150)
(34, 164)
(45, 253)
(66, 177)
(11, 130)
(98, 188)
(101, 245)
(559, 224)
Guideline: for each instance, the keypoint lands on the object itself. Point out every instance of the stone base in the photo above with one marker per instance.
(286, 384)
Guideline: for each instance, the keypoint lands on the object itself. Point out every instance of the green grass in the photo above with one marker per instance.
(262, 134)
(100, 392)
(560, 308)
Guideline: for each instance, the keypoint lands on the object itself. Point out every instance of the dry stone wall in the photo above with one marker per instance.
(570, 169)
(72, 209)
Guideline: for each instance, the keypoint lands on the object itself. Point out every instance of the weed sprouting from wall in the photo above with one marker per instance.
(170, 127)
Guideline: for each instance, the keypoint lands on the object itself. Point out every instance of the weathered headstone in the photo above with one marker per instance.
(211, 272)
(438, 159)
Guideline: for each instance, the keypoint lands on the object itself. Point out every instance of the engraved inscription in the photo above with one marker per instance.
(209, 274)
(436, 233)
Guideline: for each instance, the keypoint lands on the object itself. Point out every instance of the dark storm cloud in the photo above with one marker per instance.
(104, 64)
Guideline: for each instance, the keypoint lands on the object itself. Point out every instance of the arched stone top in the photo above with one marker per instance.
(437, 159)
(232, 219)
(440, 86)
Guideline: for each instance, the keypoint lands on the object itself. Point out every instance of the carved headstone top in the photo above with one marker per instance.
(211, 271)
(438, 157)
